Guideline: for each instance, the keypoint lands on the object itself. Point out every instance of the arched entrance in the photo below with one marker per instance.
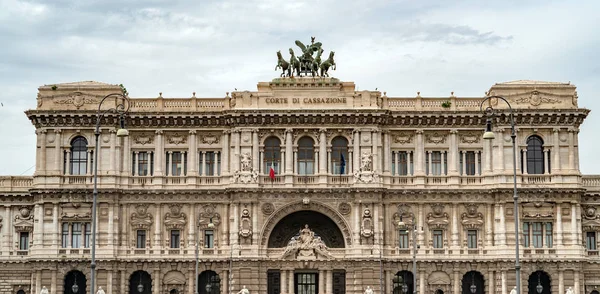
(320, 224)
(75, 283)
(20, 292)
(539, 283)
(403, 283)
(473, 283)
(209, 283)
(140, 282)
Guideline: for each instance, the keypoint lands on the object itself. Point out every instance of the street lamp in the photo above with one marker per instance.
(75, 287)
(415, 246)
(489, 135)
(473, 288)
(140, 287)
(121, 108)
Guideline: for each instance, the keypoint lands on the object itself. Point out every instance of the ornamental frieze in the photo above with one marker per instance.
(469, 137)
(77, 99)
(403, 137)
(142, 138)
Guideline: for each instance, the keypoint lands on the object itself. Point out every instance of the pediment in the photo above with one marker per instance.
(174, 278)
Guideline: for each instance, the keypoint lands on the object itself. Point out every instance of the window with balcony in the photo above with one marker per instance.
(306, 156)
(470, 163)
(140, 239)
(537, 234)
(76, 235)
(438, 238)
(404, 239)
(590, 241)
(535, 155)
(339, 155)
(272, 155)
(175, 238)
(210, 161)
(78, 156)
(209, 239)
(176, 163)
(402, 163)
(23, 240)
(436, 163)
(471, 239)
(142, 163)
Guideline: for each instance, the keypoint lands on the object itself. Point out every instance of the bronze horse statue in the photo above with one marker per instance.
(294, 63)
(316, 63)
(329, 62)
(284, 65)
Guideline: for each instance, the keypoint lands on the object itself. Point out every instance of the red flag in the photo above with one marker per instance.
(272, 173)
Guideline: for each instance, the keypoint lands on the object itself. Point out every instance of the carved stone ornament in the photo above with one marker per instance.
(209, 215)
(0, 223)
(176, 138)
(366, 227)
(210, 139)
(247, 174)
(78, 99)
(436, 138)
(472, 219)
(590, 220)
(268, 208)
(437, 219)
(406, 217)
(24, 220)
(143, 138)
(246, 161)
(245, 230)
(344, 208)
(470, 137)
(365, 173)
(538, 210)
(175, 219)
(306, 246)
(76, 211)
(536, 99)
(403, 138)
(141, 219)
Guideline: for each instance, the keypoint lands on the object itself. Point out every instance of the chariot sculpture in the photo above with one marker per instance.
(305, 64)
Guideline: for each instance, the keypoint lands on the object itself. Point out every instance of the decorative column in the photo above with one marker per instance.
(501, 164)
(113, 151)
(524, 152)
(487, 156)
(546, 161)
(42, 165)
(574, 224)
(291, 289)
(136, 166)
(422, 282)
(357, 216)
(452, 164)
(53, 288)
(215, 166)
(126, 151)
(387, 152)
(321, 282)
(156, 281)
(56, 236)
(572, 149)
(109, 283)
(202, 167)
(193, 151)
(289, 162)
(559, 225)
(420, 226)
(157, 226)
(376, 229)
(388, 282)
(409, 171)
(255, 151)
(356, 150)
(236, 149)
(501, 225)
(322, 151)
(477, 171)
(556, 150)
(503, 275)
(282, 281)
(491, 282)
(158, 150)
(255, 228)
(464, 163)
(456, 284)
(38, 279)
(192, 238)
(225, 151)
(169, 163)
(455, 232)
(488, 225)
(88, 163)
(111, 225)
(38, 227)
(67, 162)
(57, 151)
(375, 150)
(329, 283)
(576, 281)
(123, 282)
(443, 164)
(561, 281)
(235, 228)
(419, 152)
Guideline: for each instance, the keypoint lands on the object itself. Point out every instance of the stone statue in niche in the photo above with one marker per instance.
(366, 228)
(245, 224)
(306, 246)
(365, 173)
(247, 174)
(246, 160)
(366, 159)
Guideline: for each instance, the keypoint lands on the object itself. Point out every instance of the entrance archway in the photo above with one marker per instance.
(403, 282)
(320, 224)
(75, 283)
(140, 280)
(539, 283)
(209, 283)
(473, 283)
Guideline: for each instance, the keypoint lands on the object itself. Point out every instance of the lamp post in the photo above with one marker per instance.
(415, 247)
(121, 108)
(489, 135)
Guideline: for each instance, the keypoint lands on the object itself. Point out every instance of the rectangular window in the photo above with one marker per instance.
(76, 235)
(175, 239)
(88, 235)
(472, 239)
(436, 163)
(590, 241)
(212, 160)
(24, 241)
(141, 239)
(400, 166)
(467, 163)
(537, 235)
(209, 239)
(526, 235)
(177, 166)
(549, 235)
(65, 235)
(438, 239)
(403, 239)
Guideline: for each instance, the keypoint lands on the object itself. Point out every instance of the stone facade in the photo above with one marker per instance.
(348, 167)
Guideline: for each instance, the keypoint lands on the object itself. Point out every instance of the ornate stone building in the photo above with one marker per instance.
(303, 186)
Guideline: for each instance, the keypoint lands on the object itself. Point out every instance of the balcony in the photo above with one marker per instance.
(536, 179)
(15, 183)
(306, 180)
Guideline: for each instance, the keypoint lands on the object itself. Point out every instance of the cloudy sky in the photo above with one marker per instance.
(211, 47)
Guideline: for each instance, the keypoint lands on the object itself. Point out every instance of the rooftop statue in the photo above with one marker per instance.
(306, 64)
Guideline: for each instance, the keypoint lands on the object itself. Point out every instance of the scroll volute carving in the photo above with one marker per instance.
(209, 215)
(245, 230)
(471, 219)
(437, 218)
(141, 219)
(538, 210)
(405, 215)
(590, 219)
(366, 228)
(175, 219)
(24, 220)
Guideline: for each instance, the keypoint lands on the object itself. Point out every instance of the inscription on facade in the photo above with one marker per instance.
(306, 100)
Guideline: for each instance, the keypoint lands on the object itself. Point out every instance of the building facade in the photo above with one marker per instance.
(303, 186)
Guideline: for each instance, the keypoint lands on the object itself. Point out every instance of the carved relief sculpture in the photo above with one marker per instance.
(472, 219)
(366, 227)
(437, 219)
(365, 173)
(175, 219)
(209, 215)
(306, 246)
(24, 220)
(245, 229)
(247, 174)
(590, 219)
(141, 219)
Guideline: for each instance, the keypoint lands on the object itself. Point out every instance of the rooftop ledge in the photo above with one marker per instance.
(312, 93)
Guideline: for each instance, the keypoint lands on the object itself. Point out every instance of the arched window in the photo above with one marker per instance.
(272, 155)
(79, 156)
(535, 155)
(339, 156)
(306, 156)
